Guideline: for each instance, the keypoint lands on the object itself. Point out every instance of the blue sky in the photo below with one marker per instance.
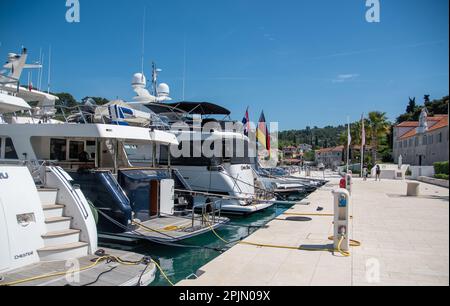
(305, 62)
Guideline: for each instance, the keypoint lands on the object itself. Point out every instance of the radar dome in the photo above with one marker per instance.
(163, 90)
(139, 80)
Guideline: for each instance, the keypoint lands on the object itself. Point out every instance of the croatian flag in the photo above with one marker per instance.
(246, 123)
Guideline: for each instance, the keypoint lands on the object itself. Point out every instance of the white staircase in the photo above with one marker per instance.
(60, 242)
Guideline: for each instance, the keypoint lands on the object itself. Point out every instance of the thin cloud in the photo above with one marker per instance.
(357, 52)
(345, 77)
(269, 37)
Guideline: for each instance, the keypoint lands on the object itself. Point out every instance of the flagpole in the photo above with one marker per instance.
(363, 143)
(348, 145)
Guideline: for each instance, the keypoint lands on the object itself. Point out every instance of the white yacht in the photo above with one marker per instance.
(134, 203)
(228, 174)
(46, 223)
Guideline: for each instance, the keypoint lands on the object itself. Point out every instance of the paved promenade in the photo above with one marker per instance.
(405, 241)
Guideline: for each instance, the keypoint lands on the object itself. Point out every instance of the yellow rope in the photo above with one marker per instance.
(299, 248)
(213, 230)
(166, 229)
(344, 253)
(353, 243)
(311, 215)
(162, 273)
(27, 280)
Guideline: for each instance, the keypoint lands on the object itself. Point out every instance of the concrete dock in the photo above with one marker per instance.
(405, 241)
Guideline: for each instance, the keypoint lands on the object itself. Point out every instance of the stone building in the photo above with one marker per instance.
(331, 157)
(423, 142)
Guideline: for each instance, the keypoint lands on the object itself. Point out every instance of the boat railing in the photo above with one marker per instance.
(36, 167)
(79, 114)
(208, 214)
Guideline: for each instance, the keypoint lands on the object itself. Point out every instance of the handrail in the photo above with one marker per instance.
(34, 166)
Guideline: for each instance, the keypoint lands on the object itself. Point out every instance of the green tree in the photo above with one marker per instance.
(435, 107)
(98, 100)
(66, 100)
(378, 128)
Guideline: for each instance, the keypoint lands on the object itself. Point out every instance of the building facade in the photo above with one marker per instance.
(423, 142)
(331, 157)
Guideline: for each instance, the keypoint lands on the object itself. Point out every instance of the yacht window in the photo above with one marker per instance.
(189, 160)
(10, 151)
(75, 149)
(91, 149)
(58, 149)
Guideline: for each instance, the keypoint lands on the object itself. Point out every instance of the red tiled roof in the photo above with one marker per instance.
(335, 149)
(442, 122)
(411, 133)
(409, 124)
(416, 123)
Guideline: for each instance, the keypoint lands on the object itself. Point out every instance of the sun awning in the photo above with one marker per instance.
(192, 108)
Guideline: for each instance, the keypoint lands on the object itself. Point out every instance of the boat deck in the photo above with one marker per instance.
(172, 228)
(108, 274)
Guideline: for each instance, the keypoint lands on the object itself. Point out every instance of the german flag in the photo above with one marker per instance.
(263, 134)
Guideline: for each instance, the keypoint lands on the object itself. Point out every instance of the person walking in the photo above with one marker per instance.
(378, 173)
(365, 173)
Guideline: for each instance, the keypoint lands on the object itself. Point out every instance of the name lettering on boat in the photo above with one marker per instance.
(4, 175)
(24, 255)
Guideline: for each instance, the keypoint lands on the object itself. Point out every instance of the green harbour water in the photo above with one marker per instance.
(181, 263)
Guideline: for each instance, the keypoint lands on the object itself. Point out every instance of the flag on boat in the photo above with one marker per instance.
(263, 134)
(246, 123)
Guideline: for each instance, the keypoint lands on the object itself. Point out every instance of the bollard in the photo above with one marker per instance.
(308, 171)
(341, 219)
(349, 182)
(413, 189)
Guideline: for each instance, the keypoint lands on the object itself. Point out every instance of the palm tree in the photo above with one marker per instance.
(378, 127)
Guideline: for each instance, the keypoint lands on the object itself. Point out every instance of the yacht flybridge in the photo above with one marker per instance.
(139, 203)
(228, 174)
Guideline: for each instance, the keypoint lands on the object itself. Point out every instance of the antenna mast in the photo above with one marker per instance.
(38, 85)
(154, 78)
(143, 39)
(184, 69)
(49, 68)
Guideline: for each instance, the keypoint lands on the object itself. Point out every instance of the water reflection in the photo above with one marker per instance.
(180, 263)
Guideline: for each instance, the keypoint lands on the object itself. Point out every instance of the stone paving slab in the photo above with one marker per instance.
(405, 242)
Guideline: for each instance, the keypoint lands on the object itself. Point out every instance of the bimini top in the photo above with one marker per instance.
(192, 108)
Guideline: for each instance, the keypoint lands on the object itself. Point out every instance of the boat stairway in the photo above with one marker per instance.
(61, 242)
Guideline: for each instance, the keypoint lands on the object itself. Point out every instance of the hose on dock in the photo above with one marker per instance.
(301, 248)
(158, 241)
(353, 243)
(97, 261)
